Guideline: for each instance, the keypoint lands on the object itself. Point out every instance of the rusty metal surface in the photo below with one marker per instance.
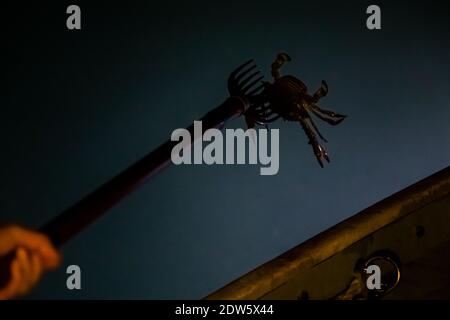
(282, 270)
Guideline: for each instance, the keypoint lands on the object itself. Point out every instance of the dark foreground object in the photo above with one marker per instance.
(409, 230)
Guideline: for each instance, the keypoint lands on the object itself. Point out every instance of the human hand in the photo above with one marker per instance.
(31, 254)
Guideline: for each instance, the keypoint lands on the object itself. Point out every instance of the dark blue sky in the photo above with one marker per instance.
(78, 107)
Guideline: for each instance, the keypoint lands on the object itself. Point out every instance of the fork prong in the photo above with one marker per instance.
(238, 69)
(255, 90)
(233, 81)
(251, 84)
(243, 79)
(242, 74)
(248, 78)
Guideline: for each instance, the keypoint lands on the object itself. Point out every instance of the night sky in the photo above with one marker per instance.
(77, 107)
